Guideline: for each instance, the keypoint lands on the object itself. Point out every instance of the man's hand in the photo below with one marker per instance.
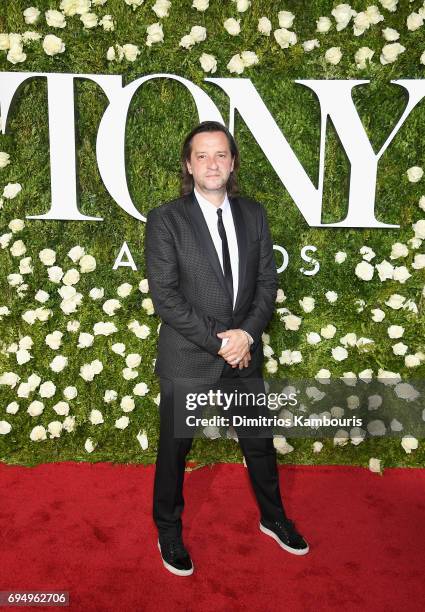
(236, 348)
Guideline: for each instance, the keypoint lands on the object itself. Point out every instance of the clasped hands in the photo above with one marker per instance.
(236, 351)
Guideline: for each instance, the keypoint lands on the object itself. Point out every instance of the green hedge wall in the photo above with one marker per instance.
(161, 113)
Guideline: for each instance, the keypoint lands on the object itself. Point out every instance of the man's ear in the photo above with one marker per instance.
(233, 163)
(188, 166)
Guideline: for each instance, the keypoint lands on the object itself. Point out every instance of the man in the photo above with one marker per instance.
(213, 282)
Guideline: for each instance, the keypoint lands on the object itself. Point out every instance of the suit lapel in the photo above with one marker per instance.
(206, 243)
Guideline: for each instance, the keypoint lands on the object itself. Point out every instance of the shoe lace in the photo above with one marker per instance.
(175, 548)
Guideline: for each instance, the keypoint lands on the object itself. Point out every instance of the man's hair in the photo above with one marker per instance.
(187, 182)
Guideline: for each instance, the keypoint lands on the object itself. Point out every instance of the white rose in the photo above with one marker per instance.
(187, 41)
(414, 174)
(107, 23)
(198, 33)
(342, 14)
(54, 428)
(11, 190)
(378, 315)
(144, 284)
(38, 433)
(47, 389)
(242, 5)
(141, 389)
(331, 296)
(419, 261)
(16, 225)
(131, 52)
(232, 26)
(12, 408)
(328, 331)
(264, 26)
(249, 58)
(375, 465)
(317, 446)
(89, 445)
(419, 229)
(201, 5)
(89, 20)
(47, 257)
(127, 403)
(87, 372)
(129, 374)
(96, 417)
(85, 340)
(390, 34)
(18, 248)
(61, 408)
(285, 38)
(71, 277)
(4, 159)
(133, 360)
(409, 443)
(70, 392)
(110, 306)
(58, 363)
(313, 338)
(208, 64)
(124, 290)
(54, 339)
(122, 422)
(414, 21)
(286, 19)
(307, 303)
(31, 15)
(364, 271)
(110, 396)
(96, 293)
(395, 301)
(118, 348)
(400, 348)
(362, 56)
(390, 52)
(349, 339)
(341, 438)
(412, 361)
(390, 5)
(333, 55)
(291, 322)
(9, 378)
(398, 249)
(161, 8)
(236, 64)
(271, 366)
(104, 329)
(30, 36)
(87, 263)
(401, 274)
(16, 55)
(422, 58)
(309, 45)
(339, 353)
(340, 257)
(141, 436)
(395, 331)
(53, 45)
(155, 34)
(35, 408)
(323, 24)
(55, 19)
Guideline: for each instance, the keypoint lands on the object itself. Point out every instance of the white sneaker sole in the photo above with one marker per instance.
(294, 551)
(174, 570)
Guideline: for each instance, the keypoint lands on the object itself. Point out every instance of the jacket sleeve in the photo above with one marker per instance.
(163, 277)
(263, 304)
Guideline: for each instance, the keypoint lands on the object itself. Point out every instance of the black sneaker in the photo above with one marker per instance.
(286, 535)
(175, 557)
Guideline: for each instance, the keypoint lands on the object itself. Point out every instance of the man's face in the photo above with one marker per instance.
(210, 161)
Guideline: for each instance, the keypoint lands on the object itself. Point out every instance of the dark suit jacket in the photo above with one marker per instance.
(189, 293)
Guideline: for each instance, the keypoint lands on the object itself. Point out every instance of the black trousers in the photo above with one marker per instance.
(168, 500)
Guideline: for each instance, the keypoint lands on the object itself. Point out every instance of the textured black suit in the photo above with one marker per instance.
(190, 295)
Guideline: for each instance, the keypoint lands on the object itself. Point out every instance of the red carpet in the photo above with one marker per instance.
(87, 528)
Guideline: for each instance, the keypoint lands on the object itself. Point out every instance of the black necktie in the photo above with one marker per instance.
(226, 255)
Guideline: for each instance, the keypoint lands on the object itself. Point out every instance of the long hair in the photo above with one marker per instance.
(187, 182)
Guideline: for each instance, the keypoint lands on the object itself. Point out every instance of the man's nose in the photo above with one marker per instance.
(212, 163)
